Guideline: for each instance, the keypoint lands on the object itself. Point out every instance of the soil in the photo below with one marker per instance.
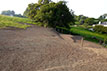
(43, 49)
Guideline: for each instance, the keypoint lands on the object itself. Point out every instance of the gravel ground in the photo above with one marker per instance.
(43, 49)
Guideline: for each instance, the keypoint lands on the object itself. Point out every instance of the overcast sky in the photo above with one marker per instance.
(91, 8)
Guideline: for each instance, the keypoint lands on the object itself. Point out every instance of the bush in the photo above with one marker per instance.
(100, 28)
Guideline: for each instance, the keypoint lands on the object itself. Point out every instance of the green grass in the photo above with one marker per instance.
(88, 34)
(7, 21)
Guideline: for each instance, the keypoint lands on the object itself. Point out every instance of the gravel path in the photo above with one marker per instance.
(43, 49)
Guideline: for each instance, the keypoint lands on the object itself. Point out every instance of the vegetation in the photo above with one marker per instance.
(83, 20)
(100, 29)
(8, 13)
(11, 13)
(50, 14)
(88, 34)
(103, 17)
(7, 21)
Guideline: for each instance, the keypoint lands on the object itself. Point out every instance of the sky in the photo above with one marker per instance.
(90, 8)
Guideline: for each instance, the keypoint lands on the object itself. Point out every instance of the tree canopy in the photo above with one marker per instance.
(8, 12)
(50, 13)
(11, 13)
(103, 18)
(83, 20)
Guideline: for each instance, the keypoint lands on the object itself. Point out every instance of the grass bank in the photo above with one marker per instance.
(7, 21)
(89, 35)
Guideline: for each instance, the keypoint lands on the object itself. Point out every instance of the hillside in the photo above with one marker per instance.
(7, 21)
(43, 49)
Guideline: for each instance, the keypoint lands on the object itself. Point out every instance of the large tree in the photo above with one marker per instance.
(50, 13)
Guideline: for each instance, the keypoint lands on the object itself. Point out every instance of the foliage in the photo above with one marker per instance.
(11, 13)
(83, 20)
(89, 21)
(102, 17)
(100, 28)
(62, 30)
(44, 1)
(8, 12)
(19, 15)
(50, 13)
(80, 19)
(105, 20)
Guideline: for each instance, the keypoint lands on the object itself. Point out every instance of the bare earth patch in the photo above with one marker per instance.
(43, 49)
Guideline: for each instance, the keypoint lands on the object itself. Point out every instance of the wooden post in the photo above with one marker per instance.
(82, 42)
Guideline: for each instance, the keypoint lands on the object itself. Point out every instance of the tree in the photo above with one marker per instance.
(19, 15)
(103, 17)
(50, 13)
(44, 1)
(89, 21)
(100, 29)
(11, 13)
(31, 10)
(8, 12)
(80, 19)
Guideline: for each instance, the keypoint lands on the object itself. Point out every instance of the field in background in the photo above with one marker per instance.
(7, 21)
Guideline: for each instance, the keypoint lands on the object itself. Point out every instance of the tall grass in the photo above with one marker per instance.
(7, 21)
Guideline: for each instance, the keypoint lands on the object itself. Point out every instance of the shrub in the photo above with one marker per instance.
(100, 28)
